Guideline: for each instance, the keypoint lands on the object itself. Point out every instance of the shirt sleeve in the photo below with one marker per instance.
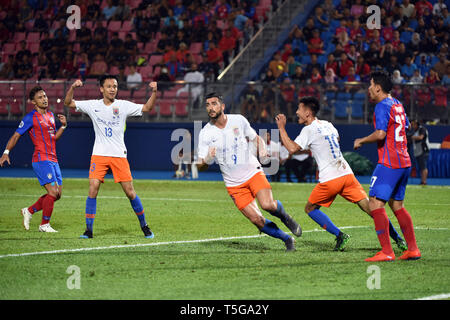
(381, 117)
(202, 149)
(26, 124)
(303, 139)
(133, 109)
(83, 105)
(248, 130)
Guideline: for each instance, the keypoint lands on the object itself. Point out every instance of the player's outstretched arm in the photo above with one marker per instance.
(203, 164)
(9, 146)
(375, 136)
(290, 145)
(68, 100)
(151, 101)
(63, 120)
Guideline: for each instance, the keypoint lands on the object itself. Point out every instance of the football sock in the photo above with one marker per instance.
(393, 233)
(136, 204)
(324, 221)
(405, 221)
(47, 208)
(381, 227)
(91, 210)
(279, 212)
(272, 230)
(37, 206)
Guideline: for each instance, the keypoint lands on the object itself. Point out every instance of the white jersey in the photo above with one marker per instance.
(321, 137)
(109, 124)
(233, 153)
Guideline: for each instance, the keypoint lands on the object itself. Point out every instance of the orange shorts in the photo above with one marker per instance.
(245, 193)
(119, 166)
(347, 186)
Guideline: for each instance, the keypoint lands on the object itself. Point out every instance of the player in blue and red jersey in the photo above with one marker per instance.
(40, 124)
(390, 177)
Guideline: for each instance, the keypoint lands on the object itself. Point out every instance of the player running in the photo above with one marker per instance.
(40, 125)
(224, 139)
(390, 177)
(335, 175)
(109, 116)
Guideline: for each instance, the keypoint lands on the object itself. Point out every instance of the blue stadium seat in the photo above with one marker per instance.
(360, 96)
(406, 36)
(344, 96)
(340, 109)
(357, 109)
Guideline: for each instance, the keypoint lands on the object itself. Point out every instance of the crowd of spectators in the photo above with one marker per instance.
(335, 46)
(167, 27)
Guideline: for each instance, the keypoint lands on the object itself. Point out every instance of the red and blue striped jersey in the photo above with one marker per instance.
(42, 131)
(390, 117)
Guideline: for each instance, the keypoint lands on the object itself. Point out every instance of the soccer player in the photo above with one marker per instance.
(40, 125)
(109, 116)
(224, 139)
(335, 175)
(390, 177)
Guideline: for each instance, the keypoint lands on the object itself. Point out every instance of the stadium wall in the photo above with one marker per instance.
(149, 144)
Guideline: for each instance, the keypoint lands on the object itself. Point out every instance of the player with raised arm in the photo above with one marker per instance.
(224, 139)
(40, 125)
(390, 177)
(108, 117)
(335, 175)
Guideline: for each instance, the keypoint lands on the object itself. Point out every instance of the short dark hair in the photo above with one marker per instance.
(383, 79)
(33, 92)
(214, 95)
(103, 77)
(312, 103)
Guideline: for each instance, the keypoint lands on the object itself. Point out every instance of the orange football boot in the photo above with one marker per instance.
(381, 256)
(411, 255)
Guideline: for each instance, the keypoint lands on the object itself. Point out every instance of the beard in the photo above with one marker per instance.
(218, 114)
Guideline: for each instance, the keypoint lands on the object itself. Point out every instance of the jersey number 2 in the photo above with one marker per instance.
(399, 120)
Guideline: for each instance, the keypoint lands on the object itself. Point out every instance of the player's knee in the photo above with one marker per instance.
(131, 194)
(269, 206)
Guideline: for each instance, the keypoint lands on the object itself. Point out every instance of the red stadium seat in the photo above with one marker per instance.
(33, 37)
(195, 48)
(440, 96)
(181, 109)
(3, 108)
(165, 108)
(19, 36)
(114, 26)
(9, 48)
(127, 26)
(16, 108)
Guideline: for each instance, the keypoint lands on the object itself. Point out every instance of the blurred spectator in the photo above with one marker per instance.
(397, 77)
(316, 77)
(25, 12)
(130, 46)
(441, 65)
(7, 71)
(214, 58)
(53, 66)
(122, 12)
(81, 64)
(321, 19)
(421, 5)
(109, 10)
(268, 76)
(98, 66)
(68, 70)
(291, 65)
(357, 9)
(134, 78)
(307, 30)
(191, 77)
(344, 65)
(174, 67)
(267, 104)
(250, 103)
(164, 80)
(182, 53)
(313, 64)
(288, 99)
(352, 76)
(414, 46)
(23, 51)
(93, 11)
(416, 78)
(438, 8)
(408, 68)
(222, 10)
(432, 77)
(115, 42)
(407, 9)
(331, 63)
(122, 78)
(227, 45)
(299, 77)
(11, 21)
(300, 164)
(40, 24)
(315, 44)
(24, 68)
(446, 77)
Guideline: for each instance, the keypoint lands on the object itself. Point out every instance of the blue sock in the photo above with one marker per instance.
(136, 204)
(91, 210)
(393, 233)
(280, 212)
(324, 221)
(272, 230)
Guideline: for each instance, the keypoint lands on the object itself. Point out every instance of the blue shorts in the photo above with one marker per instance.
(47, 172)
(387, 183)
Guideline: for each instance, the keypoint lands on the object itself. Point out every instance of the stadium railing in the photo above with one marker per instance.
(341, 102)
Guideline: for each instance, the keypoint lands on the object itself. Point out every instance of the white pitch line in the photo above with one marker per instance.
(173, 242)
(436, 297)
(152, 244)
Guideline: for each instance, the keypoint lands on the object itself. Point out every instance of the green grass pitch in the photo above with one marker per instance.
(204, 248)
